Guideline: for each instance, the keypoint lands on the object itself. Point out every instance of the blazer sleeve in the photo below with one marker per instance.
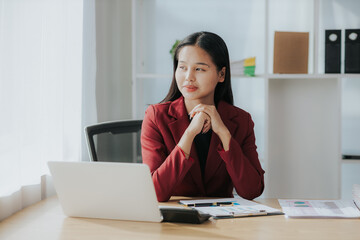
(243, 165)
(167, 169)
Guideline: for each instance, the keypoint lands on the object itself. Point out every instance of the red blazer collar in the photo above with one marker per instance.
(177, 108)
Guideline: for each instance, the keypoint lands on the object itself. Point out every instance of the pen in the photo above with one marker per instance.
(209, 204)
(248, 213)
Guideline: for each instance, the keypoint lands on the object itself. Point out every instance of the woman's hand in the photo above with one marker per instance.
(200, 123)
(216, 122)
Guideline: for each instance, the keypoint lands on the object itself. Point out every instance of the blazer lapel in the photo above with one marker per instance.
(213, 160)
(177, 127)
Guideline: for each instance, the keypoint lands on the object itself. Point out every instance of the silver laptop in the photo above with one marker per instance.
(122, 191)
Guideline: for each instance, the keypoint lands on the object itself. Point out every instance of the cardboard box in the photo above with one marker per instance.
(291, 52)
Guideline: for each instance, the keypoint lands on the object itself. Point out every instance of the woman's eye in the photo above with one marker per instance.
(200, 69)
(182, 67)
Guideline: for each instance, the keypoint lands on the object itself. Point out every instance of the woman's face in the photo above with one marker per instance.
(196, 75)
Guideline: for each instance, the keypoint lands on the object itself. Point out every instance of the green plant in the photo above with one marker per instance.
(172, 50)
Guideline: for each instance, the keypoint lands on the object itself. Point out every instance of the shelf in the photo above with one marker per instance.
(269, 76)
(167, 76)
(312, 76)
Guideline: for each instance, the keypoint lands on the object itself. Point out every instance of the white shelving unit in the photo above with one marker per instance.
(304, 148)
(297, 116)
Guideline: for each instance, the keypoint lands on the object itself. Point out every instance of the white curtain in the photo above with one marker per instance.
(40, 94)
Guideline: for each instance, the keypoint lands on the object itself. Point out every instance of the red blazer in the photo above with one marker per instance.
(173, 174)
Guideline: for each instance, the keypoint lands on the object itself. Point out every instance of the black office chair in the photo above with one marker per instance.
(117, 141)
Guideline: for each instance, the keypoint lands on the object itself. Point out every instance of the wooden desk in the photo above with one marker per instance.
(46, 220)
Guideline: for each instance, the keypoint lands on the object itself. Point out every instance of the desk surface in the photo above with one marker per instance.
(45, 220)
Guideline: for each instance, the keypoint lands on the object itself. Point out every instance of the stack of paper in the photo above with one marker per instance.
(244, 67)
(319, 208)
(230, 207)
(356, 194)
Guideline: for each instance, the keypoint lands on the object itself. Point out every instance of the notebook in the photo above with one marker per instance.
(109, 190)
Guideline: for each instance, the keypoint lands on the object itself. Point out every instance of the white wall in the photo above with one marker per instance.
(107, 73)
(89, 115)
(113, 55)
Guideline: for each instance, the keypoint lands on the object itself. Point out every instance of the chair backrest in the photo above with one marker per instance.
(105, 144)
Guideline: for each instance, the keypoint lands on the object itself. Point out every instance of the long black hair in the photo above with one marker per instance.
(215, 46)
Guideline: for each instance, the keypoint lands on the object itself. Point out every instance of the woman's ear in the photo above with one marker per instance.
(222, 74)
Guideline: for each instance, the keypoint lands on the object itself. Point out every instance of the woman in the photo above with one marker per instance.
(195, 141)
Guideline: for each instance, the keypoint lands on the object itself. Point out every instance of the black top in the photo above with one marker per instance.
(202, 143)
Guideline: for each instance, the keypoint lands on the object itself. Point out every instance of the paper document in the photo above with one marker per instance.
(230, 207)
(319, 208)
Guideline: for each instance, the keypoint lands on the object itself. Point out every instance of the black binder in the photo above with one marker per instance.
(352, 51)
(332, 51)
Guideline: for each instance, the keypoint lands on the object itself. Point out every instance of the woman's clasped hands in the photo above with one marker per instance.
(206, 117)
(200, 123)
